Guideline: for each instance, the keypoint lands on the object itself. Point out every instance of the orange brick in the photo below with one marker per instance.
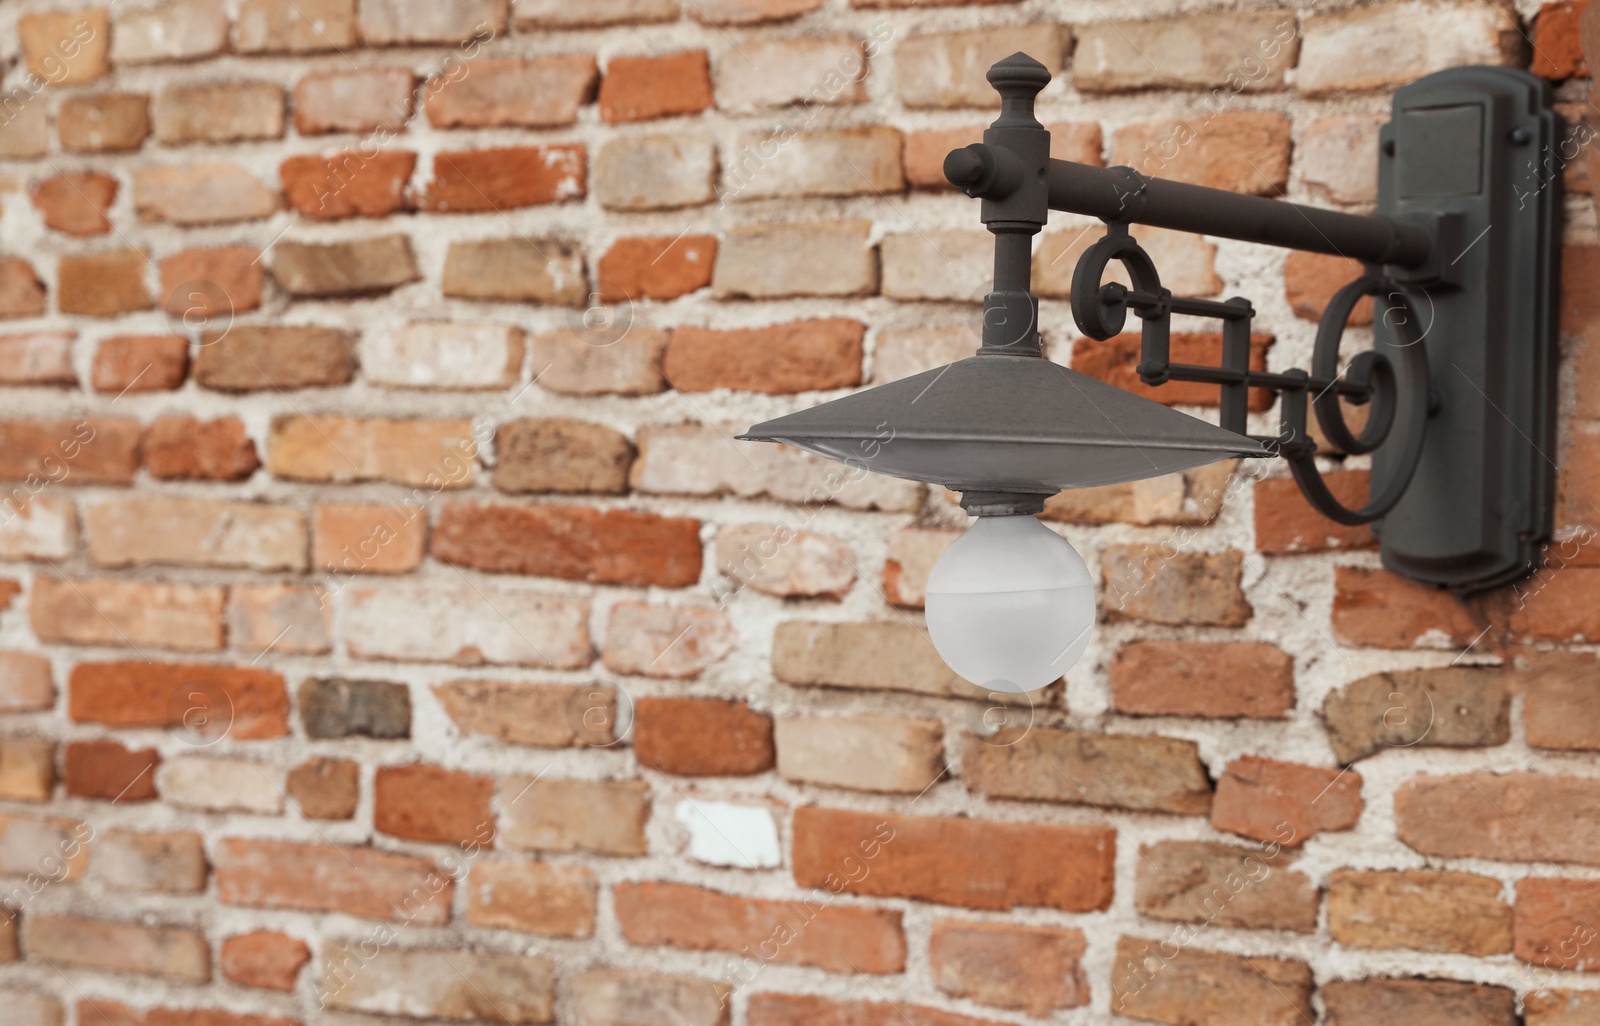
(1383, 610)
(105, 769)
(102, 284)
(669, 736)
(573, 543)
(660, 267)
(22, 293)
(1286, 522)
(798, 356)
(76, 203)
(91, 450)
(1284, 802)
(265, 959)
(198, 284)
(1311, 279)
(641, 88)
(357, 538)
(1240, 151)
(1557, 53)
(182, 448)
(836, 939)
(977, 863)
(428, 803)
(465, 181)
(533, 897)
(1247, 679)
(140, 363)
(353, 183)
(245, 703)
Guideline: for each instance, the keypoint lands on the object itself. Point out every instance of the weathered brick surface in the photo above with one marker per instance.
(978, 864)
(1421, 910)
(841, 940)
(1149, 774)
(373, 527)
(1225, 885)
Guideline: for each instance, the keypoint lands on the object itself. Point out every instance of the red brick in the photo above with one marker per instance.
(1384, 610)
(1311, 279)
(109, 1013)
(1556, 50)
(1115, 361)
(102, 284)
(322, 877)
(353, 183)
(977, 863)
(659, 267)
(92, 450)
(464, 181)
(537, 92)
(670, 735)
(180, 447)
(797, 356)
(641, 88)
(1556, 925)
(1509, 817)
(127, 614)
(1284, 802)
(1222, 679)
(105, 769)
(835, 939)
(573, 543)
(249, 703)
(140, 363)
(1037, 969)
(1561, 607)
(198, 284)
(22, 293)
(77, 203)
(1167, 982)
(1286, 522)
(802, 1010)
(264, 959)
(370, 100)
(429, 803)
(533, 897)
(1240, 151)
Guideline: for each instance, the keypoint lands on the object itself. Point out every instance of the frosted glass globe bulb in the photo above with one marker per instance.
(1010, 604)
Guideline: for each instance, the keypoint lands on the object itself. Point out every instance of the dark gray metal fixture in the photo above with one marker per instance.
(1460, 261)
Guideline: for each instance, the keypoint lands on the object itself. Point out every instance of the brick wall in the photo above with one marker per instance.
(390, 631)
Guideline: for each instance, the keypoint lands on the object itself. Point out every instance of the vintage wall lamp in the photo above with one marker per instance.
(1460, 386)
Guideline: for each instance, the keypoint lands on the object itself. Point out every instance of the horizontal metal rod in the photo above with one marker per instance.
(1261, 379)
(1122, 194)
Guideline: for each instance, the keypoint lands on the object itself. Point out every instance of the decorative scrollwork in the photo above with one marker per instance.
(1371, 378)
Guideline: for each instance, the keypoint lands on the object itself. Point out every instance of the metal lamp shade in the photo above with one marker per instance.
(1005, 424)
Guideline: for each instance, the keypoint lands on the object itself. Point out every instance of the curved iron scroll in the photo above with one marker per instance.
(1370, 378)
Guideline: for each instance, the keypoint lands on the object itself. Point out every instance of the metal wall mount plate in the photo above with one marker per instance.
(1468, 153)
